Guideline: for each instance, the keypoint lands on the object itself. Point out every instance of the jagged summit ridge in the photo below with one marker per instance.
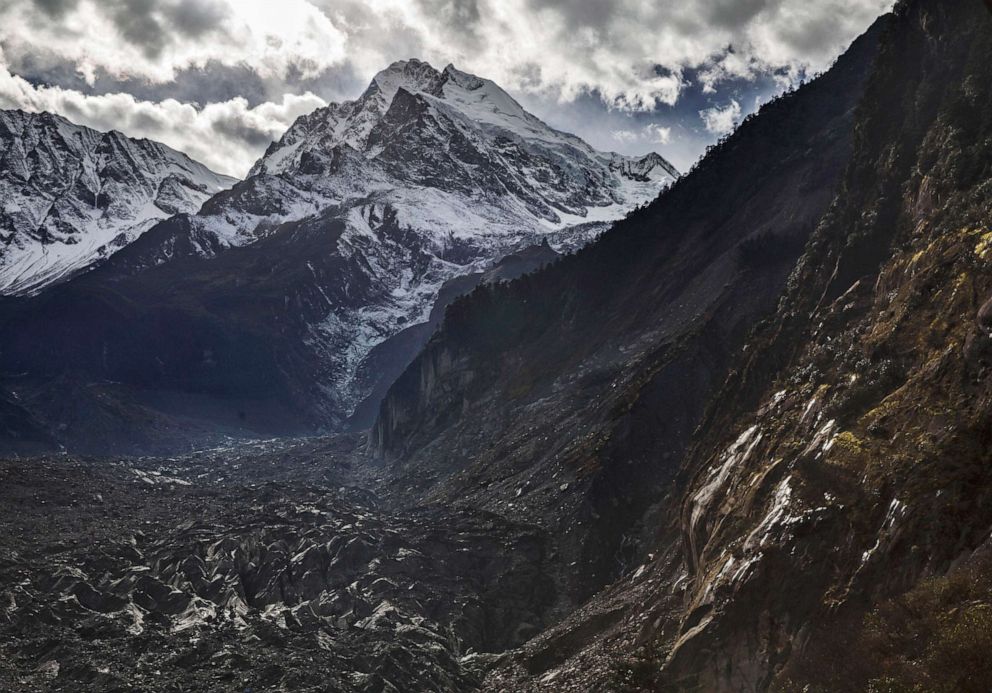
(412, 75)
(72, 196)
(460, 105)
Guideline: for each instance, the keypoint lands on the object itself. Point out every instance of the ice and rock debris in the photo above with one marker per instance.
(270, 582)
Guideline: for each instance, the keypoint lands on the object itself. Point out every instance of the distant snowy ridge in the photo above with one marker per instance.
(71, 196)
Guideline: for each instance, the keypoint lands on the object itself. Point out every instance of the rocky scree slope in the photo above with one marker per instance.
(73, 196)
(284, 305)
(567, 397)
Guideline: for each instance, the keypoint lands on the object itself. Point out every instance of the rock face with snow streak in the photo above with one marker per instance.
(294, 292)
(72, 196)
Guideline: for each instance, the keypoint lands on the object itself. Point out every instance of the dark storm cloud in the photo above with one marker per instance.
(459, 13)
(581, 14)
(153, 25)
(337, 84)
(139, 22)
(701, 15)
(194, 18)
(55, 8)
(208, 84)
(144, 121)
(237, 129)
(808, 34)
(733, 13)
(150, 24)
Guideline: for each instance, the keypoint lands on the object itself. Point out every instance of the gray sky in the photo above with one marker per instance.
(219, 79)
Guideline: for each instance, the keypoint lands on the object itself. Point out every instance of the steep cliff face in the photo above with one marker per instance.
(834, 503)
(847, 458)
(567, 397)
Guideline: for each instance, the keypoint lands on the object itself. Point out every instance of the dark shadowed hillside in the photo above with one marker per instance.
(570, 394)
(788, 430)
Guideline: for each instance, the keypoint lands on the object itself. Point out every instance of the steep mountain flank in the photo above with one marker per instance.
(286, 304)
(72, 196)
(828, 525)
(861, 414)
(567, 397)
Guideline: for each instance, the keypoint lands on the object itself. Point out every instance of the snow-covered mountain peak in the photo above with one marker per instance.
(450, 84)
(464, 79)
(484, 101)
(650, 167)
(412, 75)
(470, 128)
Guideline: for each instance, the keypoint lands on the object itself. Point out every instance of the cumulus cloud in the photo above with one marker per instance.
(632, 53)
(153, 39)
(632, 57)
(625, 136)
(658, 134)
(227, 136)
(720, 121)
(652, 133)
